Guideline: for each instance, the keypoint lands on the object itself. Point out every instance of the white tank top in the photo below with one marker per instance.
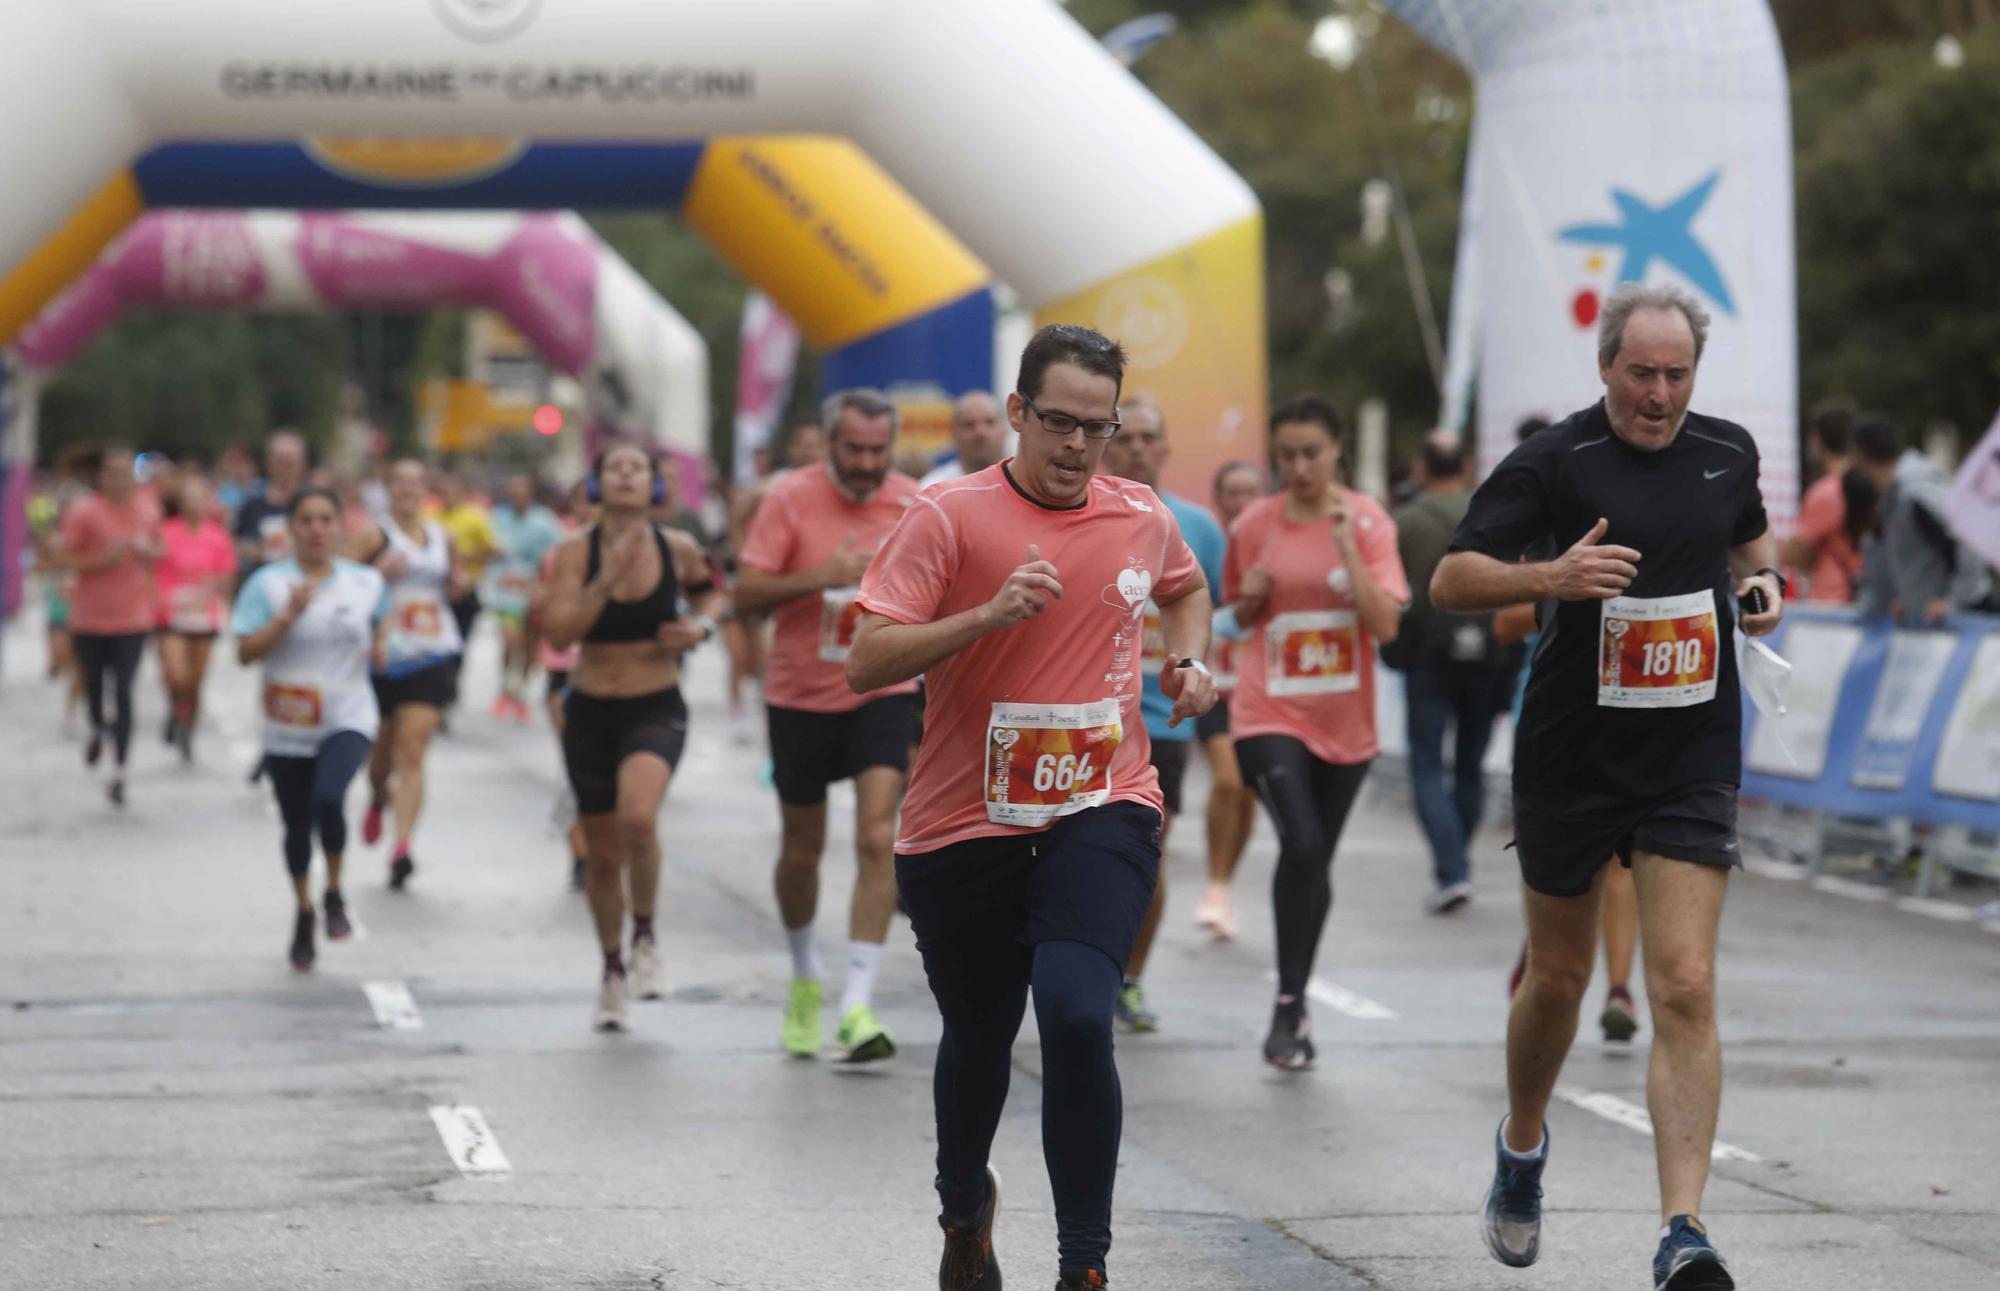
(422, 631)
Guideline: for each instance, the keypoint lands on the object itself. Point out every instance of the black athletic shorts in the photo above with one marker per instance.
(1170, 759)
(1563, 841)
(558, 681)
(1214, 722)
(809, 751)
(432, 685)
(599, 734)
(1088, 878)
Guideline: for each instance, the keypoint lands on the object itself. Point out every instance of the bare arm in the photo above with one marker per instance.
(251, 648)
(1185, 623)
(572, 606)
(693, 570)
(758, 590)
(1759, 553)
(1380, 612)
(1469, 582)
(886, 652)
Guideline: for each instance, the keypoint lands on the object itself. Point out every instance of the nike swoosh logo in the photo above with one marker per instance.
(1710, 475)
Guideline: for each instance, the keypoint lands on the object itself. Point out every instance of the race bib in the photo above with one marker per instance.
(517, 584)
(297, 706)
(421, 621)
(1152, 642)
(274, 538)
(191, 608)
(1312, 652)
(839, 616)
(1658, 651)
(1045, 761)
(1222, 663)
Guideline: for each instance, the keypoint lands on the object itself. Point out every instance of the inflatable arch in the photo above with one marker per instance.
(774, 127)
(1615, 142)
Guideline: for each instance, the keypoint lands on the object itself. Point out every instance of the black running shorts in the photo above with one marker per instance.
(1563, 841)
(809, 751)
(431, 686)
(1170, 759)
(1214, 722)
(600, 733)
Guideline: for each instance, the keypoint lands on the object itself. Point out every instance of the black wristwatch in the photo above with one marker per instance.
(1784, 588)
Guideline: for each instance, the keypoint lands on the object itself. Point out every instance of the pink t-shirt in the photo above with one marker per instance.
(1018, 724)
(116, 600)
(803, 520)
(1307, 666)
(188, 577)
(1822, 521)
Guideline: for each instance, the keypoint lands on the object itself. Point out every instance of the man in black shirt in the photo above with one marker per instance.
(261, 536)
(1630, 738)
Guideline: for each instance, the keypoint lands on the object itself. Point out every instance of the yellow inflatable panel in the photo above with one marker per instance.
(70, 250)
(836, 242)
(1192, 323)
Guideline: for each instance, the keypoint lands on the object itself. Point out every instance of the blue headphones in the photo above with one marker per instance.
(593, 488)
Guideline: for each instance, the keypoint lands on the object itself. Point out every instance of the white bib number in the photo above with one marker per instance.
(1658, 651)
(1312, 652)
(839, 616)
(193, 608)
(1046, 761)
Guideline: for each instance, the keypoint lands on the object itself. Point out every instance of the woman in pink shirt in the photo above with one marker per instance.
(196, 567)
(1316, 582)
(109, 539)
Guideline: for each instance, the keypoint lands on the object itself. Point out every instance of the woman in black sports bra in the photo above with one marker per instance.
(638, 596)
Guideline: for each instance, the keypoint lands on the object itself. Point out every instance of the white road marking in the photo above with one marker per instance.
(1781, 871)
(1632, 1117)
(469, 1141)
(1342, 1000)
(1950, 911)
(1849, 888)
(395, 1008)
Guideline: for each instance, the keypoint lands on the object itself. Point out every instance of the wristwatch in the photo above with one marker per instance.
(1784, 588)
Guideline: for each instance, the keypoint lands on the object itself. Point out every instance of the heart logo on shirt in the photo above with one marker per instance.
(1339, 579)
(1135, 585)
(1006, 737)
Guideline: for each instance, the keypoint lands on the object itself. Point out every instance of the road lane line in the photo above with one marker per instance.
(395, 1008)
(1849, 888)
(1633, 1117)
(469, 1141)
(1342, 1000)
(1780, 871)
(1950, 911)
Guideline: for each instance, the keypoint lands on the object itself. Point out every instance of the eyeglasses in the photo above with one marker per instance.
(1062, 423)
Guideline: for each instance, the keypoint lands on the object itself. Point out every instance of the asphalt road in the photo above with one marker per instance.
(179, 1109)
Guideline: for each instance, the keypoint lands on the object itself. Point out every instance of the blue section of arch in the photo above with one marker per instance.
(951, 347)
(555, 176)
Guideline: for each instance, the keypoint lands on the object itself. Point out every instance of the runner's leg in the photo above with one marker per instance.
(877, 792)
(1621, 926)
(199, 651)
(1075, 989)
(292, 784)
(126, 653)
(93, 654)
(1427, 710)
(803, 838)
(1562, 947)
(341, 756)
(173, 672)
(1680, 906)
(642, 785)
(415, 724)
(1477, 706)
(1231, 811)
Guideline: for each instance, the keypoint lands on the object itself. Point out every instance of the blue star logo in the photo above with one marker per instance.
(1648, 233)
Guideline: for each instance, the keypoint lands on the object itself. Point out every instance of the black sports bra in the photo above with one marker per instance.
(638, 620)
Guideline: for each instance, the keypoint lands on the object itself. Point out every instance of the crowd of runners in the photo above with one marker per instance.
(1014, 661)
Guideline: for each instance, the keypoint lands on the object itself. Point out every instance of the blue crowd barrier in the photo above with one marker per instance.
(1883, 721)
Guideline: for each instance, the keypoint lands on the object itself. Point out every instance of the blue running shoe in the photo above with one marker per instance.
(1514, 1204)
(1687, 1262)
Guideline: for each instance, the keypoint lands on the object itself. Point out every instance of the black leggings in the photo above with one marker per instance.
(120, 656)
(313, 791)
(1308, 800)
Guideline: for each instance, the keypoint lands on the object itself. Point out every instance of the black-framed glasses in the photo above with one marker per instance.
(1062, 423)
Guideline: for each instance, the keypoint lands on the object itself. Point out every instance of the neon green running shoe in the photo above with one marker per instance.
(861, 1038)
(801, 1030)
(1131, 1010)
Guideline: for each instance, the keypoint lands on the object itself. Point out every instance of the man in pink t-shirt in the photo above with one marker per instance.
(802, 558)
(1029, 847)
(110, 539)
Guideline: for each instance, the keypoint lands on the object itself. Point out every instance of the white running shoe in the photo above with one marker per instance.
(1217, 913)
(611, 1004)
(648, 981)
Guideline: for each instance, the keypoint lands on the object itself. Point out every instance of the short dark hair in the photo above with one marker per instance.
(1862, 504)
(1224, 471)
(1877, 440)
(1310, 408)
(1529, 426)
(1077, 346)
(1443, 458)
(308, 493)
(1832, 422)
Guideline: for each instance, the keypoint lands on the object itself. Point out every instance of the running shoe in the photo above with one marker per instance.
(1514, 1204)
(611, 1004)
(302, 941)
(337, 926)
(969, 1263)
(648, 981)
(503, 708)
(1131, 1010)
(115, 791)
(1450, 897)
(863, 1039)
(1083, 1281)
(578, 868)
(1687, 1261)
(802, 1025)
(371, 823)
(742, 730)
(184, 740)
(400, 870)
(1289, 1045)
(94, 748)
(170, 733)
(1619, 1022)
(1217, 913)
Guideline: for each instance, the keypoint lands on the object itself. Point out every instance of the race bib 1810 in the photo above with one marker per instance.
(1658, 651)
(1312, 652)
(1044, 761)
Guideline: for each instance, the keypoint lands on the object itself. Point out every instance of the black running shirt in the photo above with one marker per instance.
(1633, 698)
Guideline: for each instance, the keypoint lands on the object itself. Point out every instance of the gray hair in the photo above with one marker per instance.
(866, 400)
(1632, 297)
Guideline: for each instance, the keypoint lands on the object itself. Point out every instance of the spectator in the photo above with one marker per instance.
(261, 533)
(1455, 674)
(1822, 545)
(978, 438)
(1917, 571)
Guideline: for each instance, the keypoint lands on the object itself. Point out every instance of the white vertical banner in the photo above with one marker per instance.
(1974, 503)
(1620, 142)
(764, 378)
